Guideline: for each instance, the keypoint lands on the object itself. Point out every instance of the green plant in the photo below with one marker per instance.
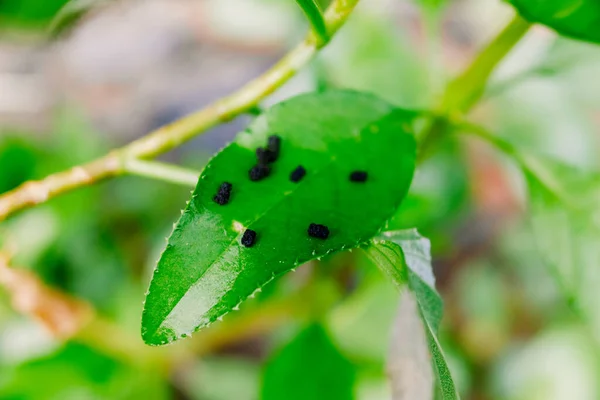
(206, 270)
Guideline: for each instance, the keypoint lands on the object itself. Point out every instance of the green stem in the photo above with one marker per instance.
(315, 17)
(432, 22)
(162, 171)
(170, 136)
(464, 91)
(435, 129)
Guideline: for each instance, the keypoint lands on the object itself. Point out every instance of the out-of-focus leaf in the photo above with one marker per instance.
(309, 367)
(362, 322)
(404, 257)
(78, 372)
(565, 215)
(482, 294)
(212, 378)
(73, 12)
(18, 161)
(578, 19)
(206, 272)
(315, 17)
(556, 364)
(84, 242)
(440, 197)
(375, 56)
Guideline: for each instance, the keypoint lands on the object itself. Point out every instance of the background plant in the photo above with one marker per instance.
(334, 313)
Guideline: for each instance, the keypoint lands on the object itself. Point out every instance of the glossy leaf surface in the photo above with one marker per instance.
(205, 272)
(579, 19)
(325, 372)
(405, 257)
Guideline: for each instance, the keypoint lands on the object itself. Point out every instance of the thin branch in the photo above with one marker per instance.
(162, 171)
(170, 136)
(67, 317)
(315, 18)
(465, 91)
(61, 314)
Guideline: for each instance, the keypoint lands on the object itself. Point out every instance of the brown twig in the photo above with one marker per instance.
(62, 315)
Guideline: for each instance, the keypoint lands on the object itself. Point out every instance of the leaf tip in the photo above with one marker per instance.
(158, 337)
(155, 334)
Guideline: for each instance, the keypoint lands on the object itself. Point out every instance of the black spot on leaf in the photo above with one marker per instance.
(297, 174)
(248, 238)
(223, 194)
(265, 156)
(318, 231)
(358, 176)
(274, 145)
(259, 172)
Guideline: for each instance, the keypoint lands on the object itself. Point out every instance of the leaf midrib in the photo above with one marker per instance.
(220, 254)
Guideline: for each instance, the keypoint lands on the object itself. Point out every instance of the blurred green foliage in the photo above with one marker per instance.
(309, 367)
(508, 331)
(76, 371)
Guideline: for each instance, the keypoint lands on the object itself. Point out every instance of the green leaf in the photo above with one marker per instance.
(78, 371)
(374, 55)
(405, 257)
(565, 210)
(565, 217)
(579, 19)
(309, 367)
(205, 272)
(315, 17)
(211, 377)
(18, 162)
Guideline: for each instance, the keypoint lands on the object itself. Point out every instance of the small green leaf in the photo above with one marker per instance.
(309, 367)
(205, 272)
(315, 17)
(564, 207)
(76, 371)
(405, 257)
(579, 19)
